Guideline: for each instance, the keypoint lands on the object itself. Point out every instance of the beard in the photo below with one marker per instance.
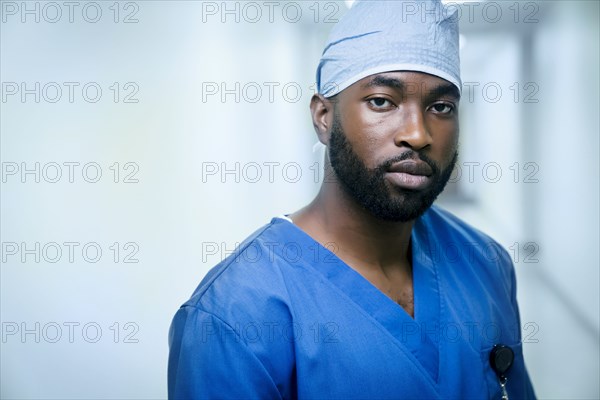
(368, 187)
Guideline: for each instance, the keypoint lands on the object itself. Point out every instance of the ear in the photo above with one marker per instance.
(322, 112)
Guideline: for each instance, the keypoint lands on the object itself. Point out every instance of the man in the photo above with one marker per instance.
(357, 295)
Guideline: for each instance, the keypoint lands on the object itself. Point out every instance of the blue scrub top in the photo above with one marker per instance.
(284, 318)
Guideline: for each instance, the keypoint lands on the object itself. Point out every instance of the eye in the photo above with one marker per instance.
(442, 108)
(380, 103)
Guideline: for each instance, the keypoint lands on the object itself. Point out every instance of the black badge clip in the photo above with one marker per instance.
(501, 359)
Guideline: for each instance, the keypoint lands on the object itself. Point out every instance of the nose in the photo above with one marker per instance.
(412, 131)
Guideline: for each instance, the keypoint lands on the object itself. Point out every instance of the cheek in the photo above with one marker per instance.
(375, 147)
(452, 140)
(450, 146)
(445, 139)
(378, 132)
(367, 137)
(364, 145)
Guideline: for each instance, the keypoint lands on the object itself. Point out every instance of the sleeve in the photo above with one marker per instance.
(209, 360)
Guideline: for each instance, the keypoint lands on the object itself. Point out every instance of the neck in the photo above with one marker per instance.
(359, 237)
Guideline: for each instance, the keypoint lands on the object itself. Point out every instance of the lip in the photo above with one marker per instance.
(408, 181)
(410, 174)
(412, 167)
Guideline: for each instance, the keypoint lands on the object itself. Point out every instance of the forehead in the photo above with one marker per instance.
(406, 82)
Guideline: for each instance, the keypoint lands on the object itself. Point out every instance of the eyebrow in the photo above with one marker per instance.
(384, 81)
(442, 89)
(445, 89)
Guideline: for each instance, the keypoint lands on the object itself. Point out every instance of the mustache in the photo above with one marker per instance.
(409, 155)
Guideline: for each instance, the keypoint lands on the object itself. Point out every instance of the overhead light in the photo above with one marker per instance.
(349, 3)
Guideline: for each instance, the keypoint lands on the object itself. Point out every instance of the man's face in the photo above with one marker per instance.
(393, 142)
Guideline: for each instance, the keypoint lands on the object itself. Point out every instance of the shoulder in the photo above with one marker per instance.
(447, 228)
(239, 313)
(240, 310)
(444, 219)
(465, 247)
(249, 282)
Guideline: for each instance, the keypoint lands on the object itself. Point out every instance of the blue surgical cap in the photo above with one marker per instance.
(395, 35)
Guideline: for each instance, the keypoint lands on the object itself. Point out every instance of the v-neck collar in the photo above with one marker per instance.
(421, 334)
